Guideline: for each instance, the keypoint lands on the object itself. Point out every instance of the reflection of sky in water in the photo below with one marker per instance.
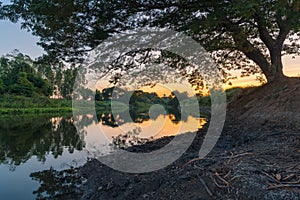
(15, 181)
(98, 135)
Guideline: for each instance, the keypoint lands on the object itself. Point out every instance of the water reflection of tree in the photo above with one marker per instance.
(139, 103)
(118, 119)
(58, 184)
(22, 137)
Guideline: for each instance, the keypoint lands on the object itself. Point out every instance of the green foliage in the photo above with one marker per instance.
(61, 77)
(43, 87)
(18, 76)
(2, 87)
(204, 101)
(5, 111)
(22, 86)
(66, 87)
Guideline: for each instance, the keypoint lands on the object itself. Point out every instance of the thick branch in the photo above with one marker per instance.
(264, 33)
(284, 29)
(243, 45)
(255, 55)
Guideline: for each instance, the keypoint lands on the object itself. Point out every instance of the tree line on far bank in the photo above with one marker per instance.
(20, 75)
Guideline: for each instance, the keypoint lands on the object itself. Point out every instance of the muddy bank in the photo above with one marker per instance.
(247, 163)
(256, 157)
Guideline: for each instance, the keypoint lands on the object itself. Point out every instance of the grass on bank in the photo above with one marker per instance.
(11, 104)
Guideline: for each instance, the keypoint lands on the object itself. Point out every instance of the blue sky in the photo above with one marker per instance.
(12, 37)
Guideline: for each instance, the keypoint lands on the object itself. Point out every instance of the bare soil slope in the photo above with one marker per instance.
(277, 103)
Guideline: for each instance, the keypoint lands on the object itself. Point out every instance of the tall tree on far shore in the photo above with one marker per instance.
(18, 76)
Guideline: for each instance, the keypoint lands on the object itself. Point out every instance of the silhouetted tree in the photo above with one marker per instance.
(240, 34)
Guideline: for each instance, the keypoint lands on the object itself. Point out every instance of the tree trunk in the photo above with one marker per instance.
(275, 70)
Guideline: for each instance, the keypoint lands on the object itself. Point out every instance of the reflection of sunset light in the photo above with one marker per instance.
(202, 122)
(169, 128)
(172, 129)
(152, 129)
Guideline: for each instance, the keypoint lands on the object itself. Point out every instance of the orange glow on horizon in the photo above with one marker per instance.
(291, 69)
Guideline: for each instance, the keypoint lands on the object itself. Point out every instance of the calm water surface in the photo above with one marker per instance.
(36, 143)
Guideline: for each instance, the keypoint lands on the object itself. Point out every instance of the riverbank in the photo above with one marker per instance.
(245, 167)
(13, 104)
(256, 157)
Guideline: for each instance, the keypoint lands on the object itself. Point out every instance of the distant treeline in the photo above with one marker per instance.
(27, 85)
(20, 75)
(135, 98)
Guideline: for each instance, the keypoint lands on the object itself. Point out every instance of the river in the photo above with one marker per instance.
(33, 143)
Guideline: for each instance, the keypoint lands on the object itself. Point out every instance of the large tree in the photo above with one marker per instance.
(19, 76)
(251, 35)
